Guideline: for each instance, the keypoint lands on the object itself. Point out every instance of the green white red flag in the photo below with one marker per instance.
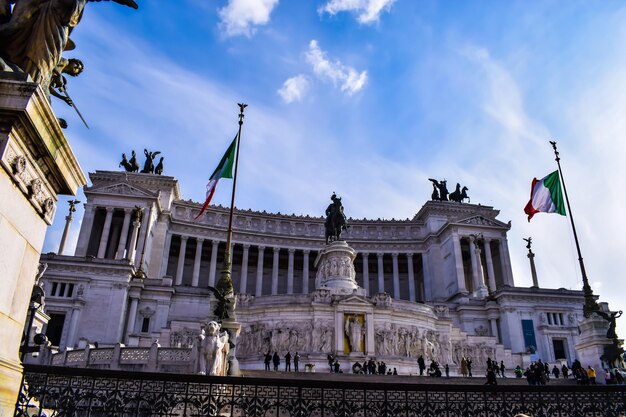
(223, 170)
(546, 196)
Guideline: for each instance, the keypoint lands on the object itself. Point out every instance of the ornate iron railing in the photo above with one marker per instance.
(55, 391)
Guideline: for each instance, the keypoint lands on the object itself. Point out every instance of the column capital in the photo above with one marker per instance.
(109, 209)
(365, 254)
(199, 239)
(215, 243)
(380, 254)
(183, 237)
(261, 248)
(276, 250)
(291, 251)
(246, 246)
(306, 251)
(128, 210)
(410, 255)
(394, 255)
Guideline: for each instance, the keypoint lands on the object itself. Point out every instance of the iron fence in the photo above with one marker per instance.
(69, 392)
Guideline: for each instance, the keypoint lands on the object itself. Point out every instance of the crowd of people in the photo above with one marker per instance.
(538, 373)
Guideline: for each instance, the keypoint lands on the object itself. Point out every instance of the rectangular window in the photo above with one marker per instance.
(62, 289)
(145, 325)
(54, 329)
(70, 290)
(54, 288)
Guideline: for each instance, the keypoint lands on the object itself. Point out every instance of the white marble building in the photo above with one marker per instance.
(438, 285)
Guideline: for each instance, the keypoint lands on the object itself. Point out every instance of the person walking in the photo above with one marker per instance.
(267, 360)
(296, 361)
(502, 368)
(591, 374)
(464, 367)
(276, 360)
(288, 362)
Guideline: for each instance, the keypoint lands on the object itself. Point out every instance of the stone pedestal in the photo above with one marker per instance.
(335, 269)
(37, 164)
(233, 328)
(593, 342)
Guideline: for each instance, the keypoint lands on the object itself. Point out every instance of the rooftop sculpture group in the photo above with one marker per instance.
(441, 193)
(148, 167)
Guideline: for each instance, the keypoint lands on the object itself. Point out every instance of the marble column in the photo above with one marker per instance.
(121, 248)
(243, 283)
(132, 316)
(71, 337)
(491, 278)
(85, 231)
(290, 272)
(166, 254)
(181, 260)
(381, 273)
(195, 278)
(411, 276)
(458, 256)
(396, 276)
(305, 271)
(366, 272)
(104, 239)
(213, 266)
(473, 252)
(259, 272)
(507, 274)
(275, 271)
(143, 233)
(132, 247)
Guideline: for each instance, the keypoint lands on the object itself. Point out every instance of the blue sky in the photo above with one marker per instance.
(370, 98)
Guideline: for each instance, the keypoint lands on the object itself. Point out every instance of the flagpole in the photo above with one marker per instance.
(590, 302)
(224, 287)
(242, 106)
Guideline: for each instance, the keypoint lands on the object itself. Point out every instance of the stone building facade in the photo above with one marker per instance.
(438, 285)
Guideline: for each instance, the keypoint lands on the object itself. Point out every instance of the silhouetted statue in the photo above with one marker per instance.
(440, 190)
(459, 194)
(148, 166)
(335, 219)
(159, 168)
(133, 162)
(611, 318)
(529, 243)
(34, 34)
(124, 163)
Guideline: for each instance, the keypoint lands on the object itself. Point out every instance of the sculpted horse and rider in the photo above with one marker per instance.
(336, 221)
(440, 192)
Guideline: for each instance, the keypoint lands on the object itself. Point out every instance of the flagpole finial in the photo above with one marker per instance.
(242, 106)
(556, 152)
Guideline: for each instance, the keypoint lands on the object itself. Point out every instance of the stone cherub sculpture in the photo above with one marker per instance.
(212, 350)
(34, 34)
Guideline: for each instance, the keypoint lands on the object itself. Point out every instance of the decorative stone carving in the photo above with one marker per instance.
(335, 270)
(321, 296)
(18, 164)
(243, 300)
(383, 300)
(183, 339)
(481, 331)
(442, 311)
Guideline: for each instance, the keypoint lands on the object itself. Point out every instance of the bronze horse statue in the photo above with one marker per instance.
(459, 194)
(335, 220)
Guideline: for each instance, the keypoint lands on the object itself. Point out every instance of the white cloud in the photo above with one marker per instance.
(240, 17)
(294, 88)
(347, 77)
(368, 10)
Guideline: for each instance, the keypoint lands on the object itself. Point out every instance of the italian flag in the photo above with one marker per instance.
(223, 170)
(546, 196)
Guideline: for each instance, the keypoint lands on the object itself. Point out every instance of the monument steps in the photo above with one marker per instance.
(393, 379)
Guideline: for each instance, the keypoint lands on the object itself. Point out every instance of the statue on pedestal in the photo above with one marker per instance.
(354, 331)
(336, 220)
(213, 349)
